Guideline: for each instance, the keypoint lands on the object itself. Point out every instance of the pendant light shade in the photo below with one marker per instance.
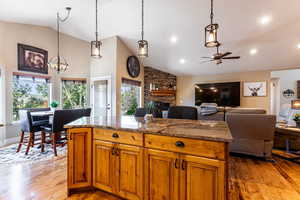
(96, 45)
(211, 31)
(142, 49)
(211, 35)
(58, 63)
(95, 49)
(142, 44)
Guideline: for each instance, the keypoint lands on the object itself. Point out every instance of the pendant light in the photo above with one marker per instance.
(96, 45)
(58, 63)
(211, 30)
(142, 44)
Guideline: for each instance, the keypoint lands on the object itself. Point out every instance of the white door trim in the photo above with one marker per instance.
(109, 91)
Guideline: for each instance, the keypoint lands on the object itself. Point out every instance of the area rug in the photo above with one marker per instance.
(8, 154)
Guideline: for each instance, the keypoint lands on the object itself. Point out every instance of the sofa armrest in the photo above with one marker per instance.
(252, 126)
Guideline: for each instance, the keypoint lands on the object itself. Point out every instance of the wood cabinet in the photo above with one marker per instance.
(118, 169)
(103, 165)
(129, 172)
(79, 158)
(176, 176)
(161, 175)
(201, 178)
(147, 167)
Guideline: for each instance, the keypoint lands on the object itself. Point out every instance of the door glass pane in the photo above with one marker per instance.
(100, 98)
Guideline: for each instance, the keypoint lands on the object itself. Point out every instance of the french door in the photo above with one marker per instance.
(101, 97)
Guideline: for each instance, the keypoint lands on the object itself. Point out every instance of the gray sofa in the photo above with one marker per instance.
(252, 129)
(253, 134)
(223, 111)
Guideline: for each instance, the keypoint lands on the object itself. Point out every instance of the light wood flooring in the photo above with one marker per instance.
(250, 179)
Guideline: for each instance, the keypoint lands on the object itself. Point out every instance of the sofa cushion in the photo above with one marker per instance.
(254, 147)
(246, 110)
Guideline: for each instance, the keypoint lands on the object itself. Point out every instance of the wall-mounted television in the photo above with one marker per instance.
(223, 94)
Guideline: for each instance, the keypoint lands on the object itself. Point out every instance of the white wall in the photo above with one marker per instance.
(113, 63)
(122, 54)
(287, 80)
(106, 66)
(75, 51)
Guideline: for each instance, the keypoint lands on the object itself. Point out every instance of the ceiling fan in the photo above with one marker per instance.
(218, 57)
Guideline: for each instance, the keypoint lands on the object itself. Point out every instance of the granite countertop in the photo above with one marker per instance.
(195, 129)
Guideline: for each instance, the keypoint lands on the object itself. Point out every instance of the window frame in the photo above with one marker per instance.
(73, 79)
(50, 88)
(132, 83)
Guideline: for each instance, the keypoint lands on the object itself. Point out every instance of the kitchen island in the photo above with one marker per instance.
(163, 159)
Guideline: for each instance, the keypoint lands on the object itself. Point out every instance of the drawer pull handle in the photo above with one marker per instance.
(176, 163)
(113, 152)
(179, 144)
(115, 135)
(183, 165)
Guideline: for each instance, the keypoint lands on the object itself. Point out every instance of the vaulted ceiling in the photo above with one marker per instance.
(240, 29)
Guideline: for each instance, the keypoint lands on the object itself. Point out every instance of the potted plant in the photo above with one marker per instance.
(54, 105)
(297, 120)
(150, 107)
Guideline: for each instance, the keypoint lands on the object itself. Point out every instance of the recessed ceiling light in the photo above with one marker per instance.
(253, 51)
(265, 20)
(173, 39)
(182, 61)
(298, 46)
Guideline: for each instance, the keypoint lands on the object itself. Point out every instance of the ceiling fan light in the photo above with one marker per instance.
(96, 49)
(142, 49)
(211, 35)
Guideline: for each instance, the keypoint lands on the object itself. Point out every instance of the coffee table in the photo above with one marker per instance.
(288, 131)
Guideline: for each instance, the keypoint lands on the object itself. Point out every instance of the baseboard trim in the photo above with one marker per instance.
(11, 140)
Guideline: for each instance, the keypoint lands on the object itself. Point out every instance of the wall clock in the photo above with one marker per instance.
(133, 66)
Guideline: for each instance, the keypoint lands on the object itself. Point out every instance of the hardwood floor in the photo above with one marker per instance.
(250, 179)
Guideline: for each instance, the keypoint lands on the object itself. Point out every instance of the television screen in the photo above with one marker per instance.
(223, 94)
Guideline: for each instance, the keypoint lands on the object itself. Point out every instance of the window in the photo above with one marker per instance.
(2, 96)
(130, 96)
(74, 93)
(29, 91)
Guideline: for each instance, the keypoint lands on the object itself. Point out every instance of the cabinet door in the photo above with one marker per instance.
(202, 178)
(79, 158)
(130, 172)
(103, 168)
(161, 175)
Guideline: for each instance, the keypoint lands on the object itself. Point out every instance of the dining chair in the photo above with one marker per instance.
(60, 119)
(183, 112)
(30, 125)
(140, 112)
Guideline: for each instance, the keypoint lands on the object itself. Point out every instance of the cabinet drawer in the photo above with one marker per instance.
(119, 136)
(209, 149)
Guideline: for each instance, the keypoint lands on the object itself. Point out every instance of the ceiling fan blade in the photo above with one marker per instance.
(232, 57)
(225, 54)
(207, 57)
(206, 61)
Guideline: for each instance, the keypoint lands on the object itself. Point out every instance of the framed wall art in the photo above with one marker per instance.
(32, 59)
(255, 89)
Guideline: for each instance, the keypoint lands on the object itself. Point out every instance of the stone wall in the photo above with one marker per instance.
(163, 80)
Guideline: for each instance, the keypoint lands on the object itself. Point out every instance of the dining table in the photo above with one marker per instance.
(42, 113)
(49, 113)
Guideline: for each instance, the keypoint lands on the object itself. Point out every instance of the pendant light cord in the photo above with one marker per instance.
(96, 21)
(59, 19)
(211, 11)
(57, 24)
(142, 19)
